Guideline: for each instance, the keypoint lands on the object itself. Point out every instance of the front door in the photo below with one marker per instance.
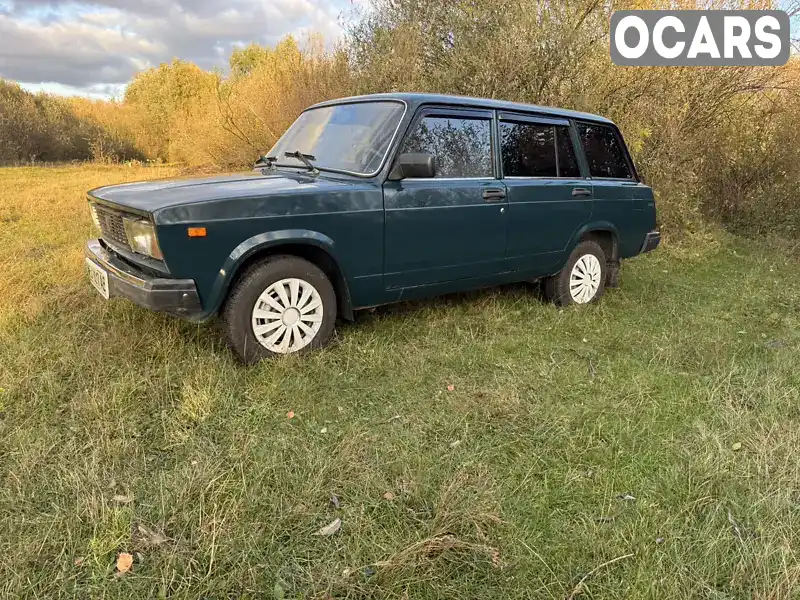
(452, 226)
(548, 199)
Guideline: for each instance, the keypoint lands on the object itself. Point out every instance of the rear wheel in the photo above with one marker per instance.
(283, 305)
(582, 280)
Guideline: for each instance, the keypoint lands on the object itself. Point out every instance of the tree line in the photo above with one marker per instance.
(713, 142)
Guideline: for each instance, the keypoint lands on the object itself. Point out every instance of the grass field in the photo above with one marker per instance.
(486, 445)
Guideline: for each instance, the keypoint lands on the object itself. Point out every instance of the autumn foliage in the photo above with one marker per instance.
(713, 142)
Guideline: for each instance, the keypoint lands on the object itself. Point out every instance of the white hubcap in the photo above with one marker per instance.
(584, 280)
(287, 316)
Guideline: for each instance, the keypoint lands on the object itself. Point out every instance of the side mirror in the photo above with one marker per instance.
(413, 165)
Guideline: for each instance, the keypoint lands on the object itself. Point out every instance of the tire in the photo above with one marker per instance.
(274, 296)
(592, 259)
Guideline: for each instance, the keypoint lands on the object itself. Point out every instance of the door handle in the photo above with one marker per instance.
(581, 192)
(493, 194)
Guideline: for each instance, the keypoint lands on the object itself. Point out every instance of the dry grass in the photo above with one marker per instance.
(122, 430)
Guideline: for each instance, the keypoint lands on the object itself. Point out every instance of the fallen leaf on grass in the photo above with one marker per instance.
(330, 529)
(335, 501)
(122, 499)
(734, 525)
(151, 537)
(455, 444)
(388, 496)
(736, 446)
(124, 562)
(740, 530)
(278, 592)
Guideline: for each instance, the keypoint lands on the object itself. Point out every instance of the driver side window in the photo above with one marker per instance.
(462, 147)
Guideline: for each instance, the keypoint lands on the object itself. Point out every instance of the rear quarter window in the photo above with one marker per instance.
(604, 153)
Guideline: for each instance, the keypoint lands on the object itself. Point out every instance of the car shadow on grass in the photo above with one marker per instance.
(510, 291)
(208, 338)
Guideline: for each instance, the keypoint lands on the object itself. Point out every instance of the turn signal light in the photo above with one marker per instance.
(197, 232)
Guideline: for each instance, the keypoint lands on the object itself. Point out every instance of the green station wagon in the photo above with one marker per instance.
(375, 199)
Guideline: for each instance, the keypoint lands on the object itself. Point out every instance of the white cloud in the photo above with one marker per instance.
(100, 91)
(95, 45)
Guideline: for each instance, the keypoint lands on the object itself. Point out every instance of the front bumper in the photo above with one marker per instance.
(174, 296)
(651, 241)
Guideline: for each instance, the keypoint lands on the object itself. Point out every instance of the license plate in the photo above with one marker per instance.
(98, 277)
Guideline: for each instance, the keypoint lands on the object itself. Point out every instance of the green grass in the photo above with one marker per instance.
(681, 389)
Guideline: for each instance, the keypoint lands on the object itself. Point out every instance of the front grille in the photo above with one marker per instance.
(111, 225)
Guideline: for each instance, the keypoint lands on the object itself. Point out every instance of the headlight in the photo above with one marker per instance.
(142, 237)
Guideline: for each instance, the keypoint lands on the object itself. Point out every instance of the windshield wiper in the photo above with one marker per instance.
(266, 161)
(305, 159)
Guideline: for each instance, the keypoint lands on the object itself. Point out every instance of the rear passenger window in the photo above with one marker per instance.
(603, 152)
(462, 147)
(528, 150)
(537, 150)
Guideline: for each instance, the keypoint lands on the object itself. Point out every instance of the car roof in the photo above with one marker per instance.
(415, 99)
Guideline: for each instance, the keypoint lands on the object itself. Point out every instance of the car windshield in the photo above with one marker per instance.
(343, 137)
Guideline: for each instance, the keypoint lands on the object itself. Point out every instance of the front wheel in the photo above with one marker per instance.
(282, 305)
(582, 280)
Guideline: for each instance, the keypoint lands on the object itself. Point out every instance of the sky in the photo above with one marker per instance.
(94, 47)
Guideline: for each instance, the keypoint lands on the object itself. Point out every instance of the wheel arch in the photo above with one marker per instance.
(603, 233)
(312, 246)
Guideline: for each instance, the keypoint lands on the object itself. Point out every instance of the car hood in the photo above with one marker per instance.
(150, 196)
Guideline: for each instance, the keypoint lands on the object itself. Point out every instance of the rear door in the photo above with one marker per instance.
(614, 181)
(452, 226)
(548, 197)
